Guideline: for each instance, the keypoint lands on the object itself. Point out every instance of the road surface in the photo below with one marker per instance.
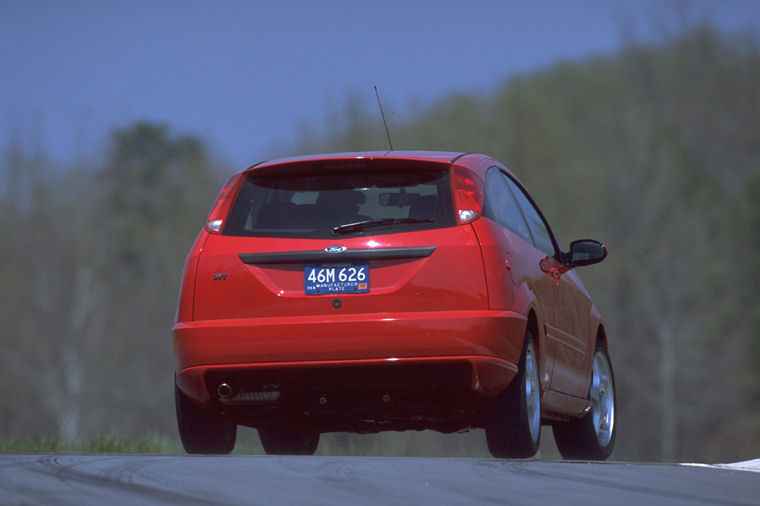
(143, 479)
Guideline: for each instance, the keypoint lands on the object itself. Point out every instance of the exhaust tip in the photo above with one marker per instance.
(224, 390)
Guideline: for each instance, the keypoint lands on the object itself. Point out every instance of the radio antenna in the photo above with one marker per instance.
(383, 115)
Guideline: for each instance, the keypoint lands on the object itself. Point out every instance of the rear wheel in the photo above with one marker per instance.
(289, 440)
(513, 418)
(202, 430)
(593, 436)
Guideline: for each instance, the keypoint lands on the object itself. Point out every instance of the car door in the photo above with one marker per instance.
(511, 257)
(567, 326)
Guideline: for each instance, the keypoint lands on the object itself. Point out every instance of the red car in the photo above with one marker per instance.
(380, 291)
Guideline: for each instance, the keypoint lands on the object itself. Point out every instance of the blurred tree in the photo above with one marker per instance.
(50, 324)
(155, 190)
(91, 259)
(348, 125)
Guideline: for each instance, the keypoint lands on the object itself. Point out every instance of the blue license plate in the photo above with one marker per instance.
(347, 277)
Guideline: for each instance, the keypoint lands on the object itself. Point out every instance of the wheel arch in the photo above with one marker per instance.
(533, 327)
(601, 335)
(525, 303)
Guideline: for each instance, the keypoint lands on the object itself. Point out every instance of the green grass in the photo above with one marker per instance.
(112, 443)
(151, 444)
(387, 444)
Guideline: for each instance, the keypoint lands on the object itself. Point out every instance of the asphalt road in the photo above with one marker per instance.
(140, 479)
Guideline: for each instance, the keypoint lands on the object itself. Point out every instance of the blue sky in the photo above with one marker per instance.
(247, 76)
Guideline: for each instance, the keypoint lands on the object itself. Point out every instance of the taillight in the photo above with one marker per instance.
(468, 195)
(215, 220)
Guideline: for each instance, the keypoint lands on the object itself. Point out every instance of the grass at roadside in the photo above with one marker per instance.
(388, 444)
(152, 443)
(392, 444)
(112, 443)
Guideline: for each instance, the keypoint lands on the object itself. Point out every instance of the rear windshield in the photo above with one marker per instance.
(340, 203)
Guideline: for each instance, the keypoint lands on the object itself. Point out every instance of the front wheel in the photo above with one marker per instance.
(513, 418)
(593, 436)
(203, 430)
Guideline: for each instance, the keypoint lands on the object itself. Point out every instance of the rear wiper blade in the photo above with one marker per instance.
(360, 225)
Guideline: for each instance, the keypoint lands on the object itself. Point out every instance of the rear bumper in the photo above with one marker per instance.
(488, 342)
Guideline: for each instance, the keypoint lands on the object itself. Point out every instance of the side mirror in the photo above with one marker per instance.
(585, 252)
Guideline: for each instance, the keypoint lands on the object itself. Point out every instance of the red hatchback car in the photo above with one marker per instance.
(367, 292)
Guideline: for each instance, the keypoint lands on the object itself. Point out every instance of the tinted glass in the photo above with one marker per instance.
(541, 236)
(308, 205)
(501, 206)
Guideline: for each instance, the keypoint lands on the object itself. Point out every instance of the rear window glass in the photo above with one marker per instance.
(324, 205)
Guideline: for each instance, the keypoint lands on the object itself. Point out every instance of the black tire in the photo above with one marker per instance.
(593, 436)
(203, 430)
(289, 440)
(513, 418)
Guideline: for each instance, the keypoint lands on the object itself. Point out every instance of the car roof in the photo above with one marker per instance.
(432, 156)
(478, 163)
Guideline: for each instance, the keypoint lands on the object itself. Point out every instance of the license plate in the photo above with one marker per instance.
(348, 277)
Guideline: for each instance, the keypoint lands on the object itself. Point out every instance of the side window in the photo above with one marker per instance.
(501, 206)
(541, 236)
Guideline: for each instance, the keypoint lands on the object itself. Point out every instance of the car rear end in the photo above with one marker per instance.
(347, 290)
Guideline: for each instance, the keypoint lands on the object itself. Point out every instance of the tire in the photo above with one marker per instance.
(593, 436)
(289, 440)
(202, 430)
(513, 418)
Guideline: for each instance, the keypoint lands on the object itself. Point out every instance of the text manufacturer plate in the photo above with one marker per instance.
(346, 277)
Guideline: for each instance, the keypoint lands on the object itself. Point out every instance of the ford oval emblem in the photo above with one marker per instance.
(335, 249)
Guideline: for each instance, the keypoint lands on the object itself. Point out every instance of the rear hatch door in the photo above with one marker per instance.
(380, 237)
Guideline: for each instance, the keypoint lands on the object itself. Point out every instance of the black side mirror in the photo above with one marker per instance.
(585, 252)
